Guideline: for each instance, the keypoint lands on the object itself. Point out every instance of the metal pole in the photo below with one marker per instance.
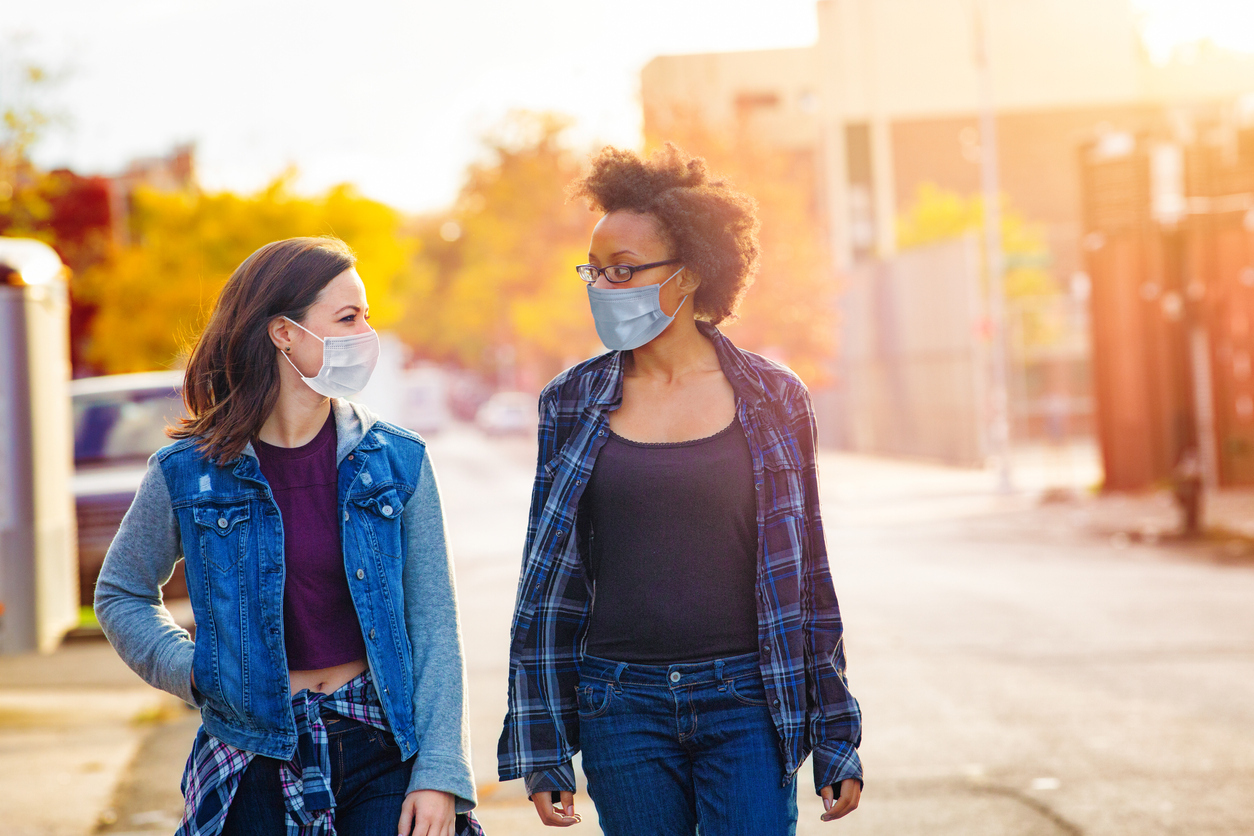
(999, 400)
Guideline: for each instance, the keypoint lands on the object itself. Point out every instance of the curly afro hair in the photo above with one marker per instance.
(708, 224)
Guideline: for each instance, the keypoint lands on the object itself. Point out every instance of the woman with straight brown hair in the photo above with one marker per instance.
(327, 661)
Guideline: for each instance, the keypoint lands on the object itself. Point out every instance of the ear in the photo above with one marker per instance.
(687, 281)
(281, 335)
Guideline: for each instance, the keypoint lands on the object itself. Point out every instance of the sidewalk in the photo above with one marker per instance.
(71, 723)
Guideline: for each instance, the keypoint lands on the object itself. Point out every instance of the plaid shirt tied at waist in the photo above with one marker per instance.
(800, 636)
(214, 768)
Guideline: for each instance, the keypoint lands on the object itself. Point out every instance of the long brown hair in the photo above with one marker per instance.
(232, 381)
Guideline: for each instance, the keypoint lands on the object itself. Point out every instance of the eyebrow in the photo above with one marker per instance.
(352, 308)
(619, 253)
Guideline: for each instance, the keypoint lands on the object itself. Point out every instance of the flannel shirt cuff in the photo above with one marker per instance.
(558, 779)
(834, 761)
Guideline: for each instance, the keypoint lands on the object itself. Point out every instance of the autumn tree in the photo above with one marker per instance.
(498, 290)
(937, 214)
(25, 119)
(154, 295)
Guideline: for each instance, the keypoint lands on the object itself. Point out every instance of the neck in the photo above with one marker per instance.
(298, 414)
(677, 351)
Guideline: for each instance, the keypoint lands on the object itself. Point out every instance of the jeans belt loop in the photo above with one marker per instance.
(618, 672)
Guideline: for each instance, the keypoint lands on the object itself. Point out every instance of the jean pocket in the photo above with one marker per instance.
(384, 739)
(594, 699)
(748, 690)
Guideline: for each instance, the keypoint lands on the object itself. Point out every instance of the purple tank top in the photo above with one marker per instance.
(320, 625)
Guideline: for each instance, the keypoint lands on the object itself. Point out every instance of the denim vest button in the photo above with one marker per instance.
(674, 676)
(372, 634)
(360, 574)
(387, 510)
(345, 516)
(221, 522)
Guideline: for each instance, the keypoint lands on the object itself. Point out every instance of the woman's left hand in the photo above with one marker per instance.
(427, 813)
(850, 793)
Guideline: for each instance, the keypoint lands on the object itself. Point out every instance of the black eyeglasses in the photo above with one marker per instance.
(617, 273)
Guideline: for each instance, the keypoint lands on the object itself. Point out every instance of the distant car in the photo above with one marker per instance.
(119, 421)
(424, 402)
(508, 413)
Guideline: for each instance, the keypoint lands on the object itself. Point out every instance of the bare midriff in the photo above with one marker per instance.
(326, 680)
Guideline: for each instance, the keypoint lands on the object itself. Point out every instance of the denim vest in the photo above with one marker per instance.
(232, 541)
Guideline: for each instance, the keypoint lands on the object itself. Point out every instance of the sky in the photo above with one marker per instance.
(395, 96)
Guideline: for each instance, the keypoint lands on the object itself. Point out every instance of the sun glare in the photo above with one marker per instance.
(1169, 25)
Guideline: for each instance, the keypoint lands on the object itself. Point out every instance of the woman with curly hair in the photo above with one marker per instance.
(675, 619)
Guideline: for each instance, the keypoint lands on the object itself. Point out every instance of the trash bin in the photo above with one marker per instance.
(38, 560)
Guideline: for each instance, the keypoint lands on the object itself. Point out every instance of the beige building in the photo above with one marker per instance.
(889, 99)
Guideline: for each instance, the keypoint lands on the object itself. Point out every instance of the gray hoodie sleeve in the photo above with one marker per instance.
(441, 712)
(128, 593)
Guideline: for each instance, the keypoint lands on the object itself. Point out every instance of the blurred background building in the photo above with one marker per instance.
(885, 110)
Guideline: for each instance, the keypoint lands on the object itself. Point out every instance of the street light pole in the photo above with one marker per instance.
(999, 399)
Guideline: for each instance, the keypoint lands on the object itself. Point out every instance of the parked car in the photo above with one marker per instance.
(119, 421)
(508, 413)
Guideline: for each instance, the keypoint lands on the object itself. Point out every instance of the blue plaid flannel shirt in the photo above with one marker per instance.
(799, 628)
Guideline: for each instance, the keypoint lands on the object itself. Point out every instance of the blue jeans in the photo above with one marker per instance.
(668, 749)
(368, 779)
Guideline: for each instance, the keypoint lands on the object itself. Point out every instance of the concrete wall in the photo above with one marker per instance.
(912, 374)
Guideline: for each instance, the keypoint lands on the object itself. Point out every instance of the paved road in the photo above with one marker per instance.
(1018, 674)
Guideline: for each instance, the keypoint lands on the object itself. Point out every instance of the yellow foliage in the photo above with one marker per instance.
(500, 266)
(154, 296)
(940, 215)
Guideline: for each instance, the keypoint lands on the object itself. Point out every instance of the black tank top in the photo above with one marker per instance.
(673, 550)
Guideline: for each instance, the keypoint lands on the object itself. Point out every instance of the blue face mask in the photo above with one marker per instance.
(629, 317)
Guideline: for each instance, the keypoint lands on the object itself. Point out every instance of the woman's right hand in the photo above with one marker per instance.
(563, 816)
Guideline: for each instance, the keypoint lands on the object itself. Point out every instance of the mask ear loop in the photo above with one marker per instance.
(324, 342)
(310, 333)
(293, 365)
(681, 301)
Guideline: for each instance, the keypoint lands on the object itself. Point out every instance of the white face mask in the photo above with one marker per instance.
(347, 363)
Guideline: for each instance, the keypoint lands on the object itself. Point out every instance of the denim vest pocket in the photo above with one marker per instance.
(383, 511)
(223, 531)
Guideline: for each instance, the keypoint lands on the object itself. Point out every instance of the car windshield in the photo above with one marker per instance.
(117, 427)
